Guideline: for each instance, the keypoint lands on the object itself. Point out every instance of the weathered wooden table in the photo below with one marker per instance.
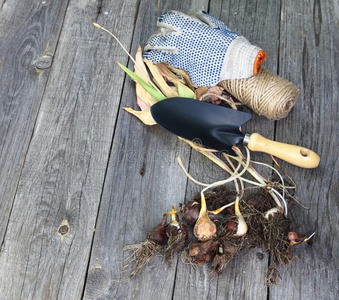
(71, 192)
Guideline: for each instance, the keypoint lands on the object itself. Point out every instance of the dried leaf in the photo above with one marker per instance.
(168, 74)
(200, 91)
(160, 81)
(144, 99)
(184, 75)
(139, 67)
(144, 116)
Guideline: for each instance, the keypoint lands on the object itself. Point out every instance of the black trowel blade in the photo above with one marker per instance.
(207, 124)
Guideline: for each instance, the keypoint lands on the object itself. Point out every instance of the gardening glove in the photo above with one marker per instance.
(204, 47)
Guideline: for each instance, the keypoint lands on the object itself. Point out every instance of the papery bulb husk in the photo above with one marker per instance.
(175, 230)
(203, 252)
(191, 212)
(157, 233)
(214, 217)
(231, 226)
(204, 228)
(219, 262)
(293, 237)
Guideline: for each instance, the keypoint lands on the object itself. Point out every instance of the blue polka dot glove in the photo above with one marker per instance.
(204, 47)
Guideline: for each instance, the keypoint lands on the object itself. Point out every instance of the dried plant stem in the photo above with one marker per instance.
(240, 179)
(129, 55)
(233, 176)
(279, 199)
(188, 175)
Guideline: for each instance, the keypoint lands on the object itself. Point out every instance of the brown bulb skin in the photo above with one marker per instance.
(218, 261)
(191, 212)
(184, 230)
(203, 251)
(173, 230)
(231, 226)
(213, 217)
(157, 233)
(293, 236)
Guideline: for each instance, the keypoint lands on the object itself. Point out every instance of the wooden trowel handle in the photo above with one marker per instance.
(299, 156)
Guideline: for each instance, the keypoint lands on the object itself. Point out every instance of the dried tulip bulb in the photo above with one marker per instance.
(176, 227)
(204, 228)
(231, 226)
(191, 212)
(293, 236)
(157, 233)
(177, 235)
(203, 251)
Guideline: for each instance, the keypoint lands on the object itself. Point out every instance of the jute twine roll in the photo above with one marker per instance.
(265, 93)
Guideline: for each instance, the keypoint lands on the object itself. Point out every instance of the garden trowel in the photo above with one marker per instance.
(217, 127)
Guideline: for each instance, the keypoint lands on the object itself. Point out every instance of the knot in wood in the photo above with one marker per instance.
(44, 62)
(63, 229)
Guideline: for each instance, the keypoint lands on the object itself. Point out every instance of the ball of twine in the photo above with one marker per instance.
(265, 93)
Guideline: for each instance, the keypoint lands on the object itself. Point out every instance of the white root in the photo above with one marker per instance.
(271, 212)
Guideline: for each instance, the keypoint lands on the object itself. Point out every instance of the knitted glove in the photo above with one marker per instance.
(204, 47)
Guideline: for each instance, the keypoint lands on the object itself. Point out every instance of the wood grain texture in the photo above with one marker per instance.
(81, 178)
(29, 35)
(308, 57)
(133, 203)
(64, 170)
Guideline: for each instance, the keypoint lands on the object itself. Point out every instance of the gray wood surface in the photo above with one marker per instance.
(71, 192)
(28, 42)
(309, 39)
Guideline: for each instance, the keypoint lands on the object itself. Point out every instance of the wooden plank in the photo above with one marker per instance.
(308, 57)
(28, 41)
(47, 244)
(133, 203)
(244, 277)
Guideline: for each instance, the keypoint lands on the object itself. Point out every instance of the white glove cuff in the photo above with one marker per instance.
(240, 59)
